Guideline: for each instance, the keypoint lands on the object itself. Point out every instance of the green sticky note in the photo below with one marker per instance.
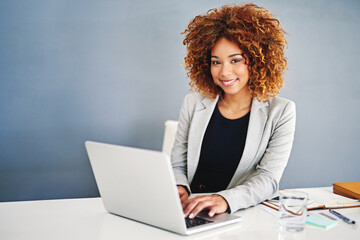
(320, 221)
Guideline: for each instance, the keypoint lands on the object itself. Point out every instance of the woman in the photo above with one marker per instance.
(234, 135)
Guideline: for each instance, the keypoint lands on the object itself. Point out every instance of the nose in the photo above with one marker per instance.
(225, 70)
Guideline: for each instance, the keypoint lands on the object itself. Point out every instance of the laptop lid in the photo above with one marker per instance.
(139, 184)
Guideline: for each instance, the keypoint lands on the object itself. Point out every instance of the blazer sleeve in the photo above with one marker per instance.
(179, 150)
(264, 179)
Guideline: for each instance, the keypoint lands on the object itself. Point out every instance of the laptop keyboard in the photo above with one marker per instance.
(196, 221)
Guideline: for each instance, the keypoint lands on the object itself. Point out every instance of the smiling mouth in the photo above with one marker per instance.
(229, 83)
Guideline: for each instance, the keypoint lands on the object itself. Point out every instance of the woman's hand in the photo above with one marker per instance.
(215, 203)
(183, 194)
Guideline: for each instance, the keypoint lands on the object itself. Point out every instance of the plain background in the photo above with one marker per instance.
(111, 71)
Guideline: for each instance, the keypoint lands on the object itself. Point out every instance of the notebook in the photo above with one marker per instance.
(140, 185)
(347, 189)
(319, 198)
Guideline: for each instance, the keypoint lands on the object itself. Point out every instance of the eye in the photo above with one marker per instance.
(215, 62)
(237, 60)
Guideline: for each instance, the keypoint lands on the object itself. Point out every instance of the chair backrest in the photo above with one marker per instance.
(169, 136)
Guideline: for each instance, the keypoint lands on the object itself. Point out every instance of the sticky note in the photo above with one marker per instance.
(320, 221)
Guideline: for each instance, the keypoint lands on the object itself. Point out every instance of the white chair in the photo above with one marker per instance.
(169, 136)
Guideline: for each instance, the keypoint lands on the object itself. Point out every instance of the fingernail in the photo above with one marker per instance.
(211, 214)
(191, 215)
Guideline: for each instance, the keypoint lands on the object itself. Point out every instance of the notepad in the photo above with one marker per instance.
(320, 221)
(320, 198)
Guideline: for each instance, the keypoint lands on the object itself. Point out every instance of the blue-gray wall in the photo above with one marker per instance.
(111, 71)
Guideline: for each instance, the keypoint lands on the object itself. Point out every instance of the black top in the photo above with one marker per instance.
(221, 151)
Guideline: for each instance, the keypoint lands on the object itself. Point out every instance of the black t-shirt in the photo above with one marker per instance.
(221, 151)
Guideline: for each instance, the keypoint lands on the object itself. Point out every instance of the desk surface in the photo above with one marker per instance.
(87, 219)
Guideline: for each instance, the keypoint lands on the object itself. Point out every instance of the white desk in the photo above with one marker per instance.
(87, 219)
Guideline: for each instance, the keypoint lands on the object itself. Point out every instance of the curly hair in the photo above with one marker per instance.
(257, 33)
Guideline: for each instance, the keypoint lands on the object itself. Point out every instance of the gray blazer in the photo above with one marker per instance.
(267, 149)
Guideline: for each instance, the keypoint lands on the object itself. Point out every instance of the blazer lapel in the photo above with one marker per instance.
(201, 118)
(257, 121)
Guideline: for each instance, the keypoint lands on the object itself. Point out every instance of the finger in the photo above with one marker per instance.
(181, 194)
(199, 207)
(187, 202)
(195, 203)
(184, 204)
(183, 198)
(190, 204)
(213, 211)
(215, 203)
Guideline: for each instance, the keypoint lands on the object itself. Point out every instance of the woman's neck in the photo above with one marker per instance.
(234, 106)
(237, 102)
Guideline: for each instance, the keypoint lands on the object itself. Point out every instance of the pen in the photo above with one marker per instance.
(339, 215)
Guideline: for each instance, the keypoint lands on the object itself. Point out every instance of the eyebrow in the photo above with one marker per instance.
(232, 55)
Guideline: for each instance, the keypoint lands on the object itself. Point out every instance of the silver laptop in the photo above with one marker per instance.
(140, 184)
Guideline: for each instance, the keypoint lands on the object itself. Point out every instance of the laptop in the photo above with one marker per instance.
(139, 184)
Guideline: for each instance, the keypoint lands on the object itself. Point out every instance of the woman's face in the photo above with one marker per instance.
(229, 69)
